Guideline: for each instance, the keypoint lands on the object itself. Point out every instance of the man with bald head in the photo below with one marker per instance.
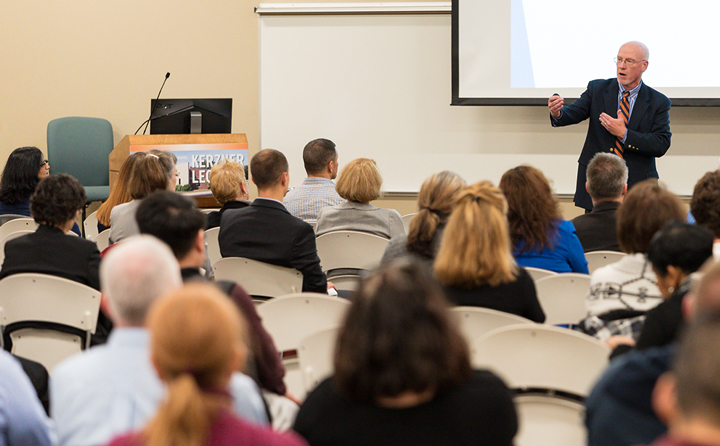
(627, 118)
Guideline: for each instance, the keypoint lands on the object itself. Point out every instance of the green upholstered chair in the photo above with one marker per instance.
(80, 147)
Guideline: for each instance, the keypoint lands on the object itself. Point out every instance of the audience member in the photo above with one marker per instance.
(402, 373)
(155, 171)
(360, 183)
(317, 190)
(265, 230)
(120, 192)
(436, 200)
(229, 187)
(621, 293)
(676, 251)
(24, 169)
(22, 418)
(539, 235)
(475, 261)
(175, 220)
(705, 206)
(109, 390)
(607, 176)
(196, 342)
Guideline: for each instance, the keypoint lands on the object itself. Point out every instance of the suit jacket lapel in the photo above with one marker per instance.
(641, 105)
(611, 99)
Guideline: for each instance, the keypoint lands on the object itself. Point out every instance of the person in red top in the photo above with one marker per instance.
(196, 344)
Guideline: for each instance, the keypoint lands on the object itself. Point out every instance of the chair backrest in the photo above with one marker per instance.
(475, 321)
(538, 273)
(289, 319)
(562, 297)
(549, 421)
(258, 278)
(543, 357)
(346, 282)
(91, 226)
(48, 299)
(312, 223)
(406, 219)
(213, 246)
(17, 224)
(315, 355)
(81, 146)
(103, 240)
(350, 249)
(11, 236)
(4, 218)
(598, 259)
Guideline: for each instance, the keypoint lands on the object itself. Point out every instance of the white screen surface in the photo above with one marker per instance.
(533, 48)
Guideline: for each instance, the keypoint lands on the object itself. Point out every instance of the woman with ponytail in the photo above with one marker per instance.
(435, 202)
(196, 345)
(475, 262)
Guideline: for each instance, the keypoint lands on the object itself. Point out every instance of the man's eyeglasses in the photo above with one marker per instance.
(628, 62)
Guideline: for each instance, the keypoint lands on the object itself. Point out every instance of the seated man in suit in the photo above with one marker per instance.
(265, 231)
(112, 389)
(607, 176)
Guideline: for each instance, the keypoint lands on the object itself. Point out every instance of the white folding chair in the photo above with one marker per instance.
(350, 250)
(598, 259)
(258, 278)
(538, 273)
(406, 219)
(17, 224)
(289, 319)
(209, 210)
(103, 240)
(562, 297)
(42, 298)
(542, 357)
(315, 356)
(475, 321)
(11, 236)
(549, 421)
(91, 226)
(4, 218)
(312, 223)
(213, 246)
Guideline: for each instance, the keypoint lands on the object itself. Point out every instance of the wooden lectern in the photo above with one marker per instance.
(196, 155)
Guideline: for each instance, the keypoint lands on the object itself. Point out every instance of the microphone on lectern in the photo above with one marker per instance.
(147, 122)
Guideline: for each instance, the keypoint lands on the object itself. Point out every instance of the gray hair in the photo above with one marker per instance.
(607, 175)
(135, 273)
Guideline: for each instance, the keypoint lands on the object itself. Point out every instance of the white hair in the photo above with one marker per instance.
(135, 273)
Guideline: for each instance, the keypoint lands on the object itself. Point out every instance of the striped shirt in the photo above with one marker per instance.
(306, 200)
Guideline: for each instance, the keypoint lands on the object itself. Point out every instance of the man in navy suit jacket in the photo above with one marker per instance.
(647, 134)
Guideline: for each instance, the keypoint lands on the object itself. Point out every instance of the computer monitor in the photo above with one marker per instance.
(186, 116)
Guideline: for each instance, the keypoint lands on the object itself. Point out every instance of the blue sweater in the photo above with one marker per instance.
(566, 256)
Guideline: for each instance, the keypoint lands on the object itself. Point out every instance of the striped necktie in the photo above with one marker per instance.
(625, 113)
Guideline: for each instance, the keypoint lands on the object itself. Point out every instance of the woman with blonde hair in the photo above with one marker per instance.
(228, 186)
(120, 192)
(540, 237)
(475, 262)
(360, 183)
(154, 171)
(196, 343)
(436, 200)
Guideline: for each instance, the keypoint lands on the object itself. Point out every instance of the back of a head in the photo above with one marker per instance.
(172, 218)
(436, 201)
(120, 192)
(681, 245)
(475, 249)
(696, 369)
(706, 291)
(705, 202)
(645, 209)
(226, 179)
(197, 341)
(532, 209)
(267, 168)
(57, 199)
(317, 154)
(360, 181)
(607, 176)
(20, 175)
(420, 348)
(134, 274)
(151, 173)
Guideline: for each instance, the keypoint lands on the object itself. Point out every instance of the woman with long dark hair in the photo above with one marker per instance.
(23, 171)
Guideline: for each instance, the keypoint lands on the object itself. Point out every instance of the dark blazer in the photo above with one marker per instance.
(648, 135)
(265, 231)
(597, 230)
(49, 251)
(213, 218)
